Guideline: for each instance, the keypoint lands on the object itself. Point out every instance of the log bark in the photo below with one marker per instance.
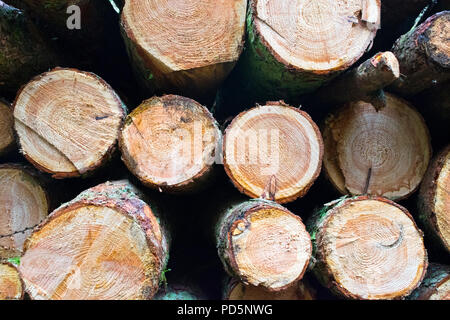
(434, 199)
(263, 244)
(188, 53)
(68, 122)
(294, 47)
(24, 52)
(24, 203)
(11, 286)
(424, 55)
(170, 143)
(367, 248)
(273, 151)
(236, 290)
(379, 152)
(7, 139)
(178, 292)
(108, 226)
(435, 286)
(364, 83)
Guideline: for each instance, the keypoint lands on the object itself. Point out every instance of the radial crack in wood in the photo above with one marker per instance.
(392, 143)
(68, 121)
(368, 248)
(170, 143)
(263, 244)
(273, 150)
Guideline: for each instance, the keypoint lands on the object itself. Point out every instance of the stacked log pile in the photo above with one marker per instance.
(173, 150)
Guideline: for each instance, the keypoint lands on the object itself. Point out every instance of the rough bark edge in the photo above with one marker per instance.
(436, 275)
(108, 154)
(426, 196)
(317, 226)
(229, 219)
(414, 43)
(194, 184)
(41, 54)
(300, 193)
(130, 206)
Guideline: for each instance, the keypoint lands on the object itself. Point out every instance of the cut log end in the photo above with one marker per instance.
(380, 152)
(387, 68)
(11, 287)
(370, 248)
(198, 40)
(319, 36)
(6, 128)
(170, 143)
(438, 45)
(23, 205)
(105, 244)
(67, 121)
(435, 199)
(239, 291)
(268, 246)
(274, 151)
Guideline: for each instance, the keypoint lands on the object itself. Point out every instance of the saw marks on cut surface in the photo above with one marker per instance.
(273, 147)
(89, 252)
(169, 141)
(10, 284)
(6, 126)
(383, 152)
(271, 247)
(181, 35)
(319, 35)
(67, 121)
(373, 249)
(23, 205)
